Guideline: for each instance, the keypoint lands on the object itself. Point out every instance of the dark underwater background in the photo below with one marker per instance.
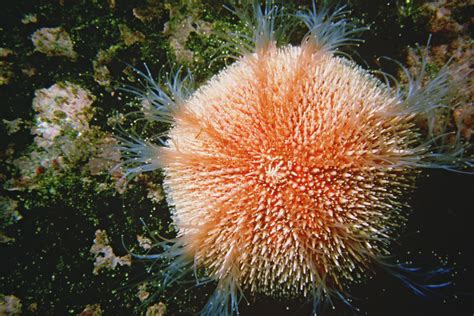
(54, 197)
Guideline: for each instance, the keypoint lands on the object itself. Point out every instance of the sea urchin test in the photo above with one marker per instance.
(287, 171)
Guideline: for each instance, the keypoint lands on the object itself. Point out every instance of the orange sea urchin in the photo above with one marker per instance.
(287, 170)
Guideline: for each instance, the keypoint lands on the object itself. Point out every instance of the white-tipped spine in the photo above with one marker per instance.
(424, 95)
(329, 31)
(431, 99)
(139, 156)
(225, 299)
(265, 26)
(161, 99)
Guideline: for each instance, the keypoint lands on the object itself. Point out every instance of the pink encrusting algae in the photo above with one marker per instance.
(287, 172)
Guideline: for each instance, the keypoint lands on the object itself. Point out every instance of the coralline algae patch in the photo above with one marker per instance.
(61, 107)
(53, 41)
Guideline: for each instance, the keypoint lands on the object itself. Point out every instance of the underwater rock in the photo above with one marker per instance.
(13, 126)
(91, 310)
(5, 52)
(452, 51)
(101, 72)
(464, 119)
(100, 63)
(144, 242)
(104, 254)
(33, 307)
(440, 17)
(62, 106)
(6, 72)
(130, 37)
(8, 211)
(63, 137)
(4, 239)
(54, 41)
(6, 67)
(156, 310)
(29, 18)
(155, 192)
(107, 156)
(10, 305)
(143, 294)
(29, 71)
(179, 28)
(149, 12)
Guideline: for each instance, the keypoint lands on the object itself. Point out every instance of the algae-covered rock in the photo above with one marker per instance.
(10, 305)
(54, 41)
(104, 254)
(61, 107)
(91, 310)
(156, 310)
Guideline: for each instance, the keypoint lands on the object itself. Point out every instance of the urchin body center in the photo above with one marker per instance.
(285, 176)
(284, 188)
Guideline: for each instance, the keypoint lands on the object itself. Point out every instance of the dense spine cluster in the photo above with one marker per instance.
(288, 180)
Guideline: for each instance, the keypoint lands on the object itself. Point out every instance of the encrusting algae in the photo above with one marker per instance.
(288, 171)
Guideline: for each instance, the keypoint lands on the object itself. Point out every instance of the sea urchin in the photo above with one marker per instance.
(287, 171)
